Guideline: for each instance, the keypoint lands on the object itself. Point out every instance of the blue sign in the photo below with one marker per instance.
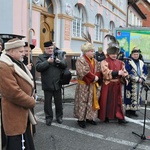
(123, 38)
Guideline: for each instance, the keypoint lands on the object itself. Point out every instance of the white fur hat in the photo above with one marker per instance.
(14, 43)
(87, 47)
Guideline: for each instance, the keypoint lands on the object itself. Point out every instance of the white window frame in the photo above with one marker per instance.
(112, 26)
(77, 23)
(97, 30)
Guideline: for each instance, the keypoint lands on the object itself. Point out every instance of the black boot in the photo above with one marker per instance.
(91, 122)
(48, 122)
(128, 113)
(133, 113)
(122, 121)
(82, 124)
(106, 120)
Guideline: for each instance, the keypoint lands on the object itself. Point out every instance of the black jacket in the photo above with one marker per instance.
(100, 56)
(50, 72)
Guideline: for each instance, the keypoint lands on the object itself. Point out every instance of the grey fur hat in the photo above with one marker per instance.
(14, 43)
(113, 46)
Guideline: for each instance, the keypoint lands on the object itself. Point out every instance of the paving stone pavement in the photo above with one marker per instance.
(69, 92)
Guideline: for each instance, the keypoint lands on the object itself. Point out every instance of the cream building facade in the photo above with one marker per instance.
(63, 21)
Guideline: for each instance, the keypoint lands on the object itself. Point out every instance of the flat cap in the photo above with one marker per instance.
(48, 43)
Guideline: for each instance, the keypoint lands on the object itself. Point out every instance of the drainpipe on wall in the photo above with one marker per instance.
(30, 24)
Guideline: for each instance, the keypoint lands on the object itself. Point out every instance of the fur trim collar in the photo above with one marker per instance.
(134, 65)
(27, 76)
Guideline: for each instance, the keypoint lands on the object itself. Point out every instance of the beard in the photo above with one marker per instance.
(21, 59)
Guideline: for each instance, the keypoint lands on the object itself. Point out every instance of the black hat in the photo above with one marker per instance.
(135, 50)
(47, 44)
(31, 46)
(114, 49)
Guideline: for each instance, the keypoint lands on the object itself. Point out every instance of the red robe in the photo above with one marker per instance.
(111, 90)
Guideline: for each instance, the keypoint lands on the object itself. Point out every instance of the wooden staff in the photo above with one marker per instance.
(30, 29)
(29, 49)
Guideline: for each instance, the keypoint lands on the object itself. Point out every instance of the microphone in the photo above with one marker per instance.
(146, 86)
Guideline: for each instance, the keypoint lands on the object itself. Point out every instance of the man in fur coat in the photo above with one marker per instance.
(114, 72)
(138, 73)
(87, 90)
(16, 88)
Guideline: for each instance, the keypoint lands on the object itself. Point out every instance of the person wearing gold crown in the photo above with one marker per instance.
(113, 71)
(87, 90)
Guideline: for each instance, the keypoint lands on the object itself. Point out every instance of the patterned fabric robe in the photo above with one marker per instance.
(111, 91)
(84, 95)
(133, 91)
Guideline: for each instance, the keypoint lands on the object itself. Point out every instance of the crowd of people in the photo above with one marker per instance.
(99, 90)
(98, 94)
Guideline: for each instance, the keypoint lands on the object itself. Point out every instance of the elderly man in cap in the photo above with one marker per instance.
(16, 87)
(87, 90)
(51, 68)
(114, 72)
(138, 73)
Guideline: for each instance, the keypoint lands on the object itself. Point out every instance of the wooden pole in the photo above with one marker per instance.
(29, 38)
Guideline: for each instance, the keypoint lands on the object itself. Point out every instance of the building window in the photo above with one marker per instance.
(134, 20)
(79, 20)
(77, 27)
(130, 18)
(112, 26)
(98, 27)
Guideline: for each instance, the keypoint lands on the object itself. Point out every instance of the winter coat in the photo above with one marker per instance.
(50, 72)
(111, 90)
(16, 87)
(133, 91)
(84, 94)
